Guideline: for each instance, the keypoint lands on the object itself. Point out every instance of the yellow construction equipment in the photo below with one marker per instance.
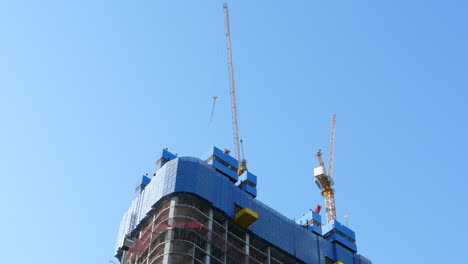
(325, 181)
(245, 217)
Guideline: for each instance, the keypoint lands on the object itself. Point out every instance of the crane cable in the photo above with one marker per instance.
(213, 108)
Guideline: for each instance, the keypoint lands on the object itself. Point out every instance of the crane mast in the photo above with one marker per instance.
(324, 180)
(232, 86)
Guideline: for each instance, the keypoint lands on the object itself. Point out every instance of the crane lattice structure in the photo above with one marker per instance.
(324, 180)
(232, 87)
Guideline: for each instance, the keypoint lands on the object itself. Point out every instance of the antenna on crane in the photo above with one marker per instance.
(324, 180)
(232, 87)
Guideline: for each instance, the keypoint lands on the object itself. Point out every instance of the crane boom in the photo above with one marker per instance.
(232, 86)
(332, 146)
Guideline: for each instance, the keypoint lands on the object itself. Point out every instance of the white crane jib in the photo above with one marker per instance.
(232, 84)
(232, 87)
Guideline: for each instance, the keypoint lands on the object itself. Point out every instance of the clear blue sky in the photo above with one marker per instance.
(91, 91)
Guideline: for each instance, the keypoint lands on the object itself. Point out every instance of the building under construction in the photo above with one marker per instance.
(204, 211)
(200, 211)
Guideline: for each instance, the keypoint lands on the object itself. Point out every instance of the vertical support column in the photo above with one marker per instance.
(247, 247)
(124, 256)
(210, 236)
(140, 234)
(170, 233)
(225, 240)
(269, 255)
(151, 228)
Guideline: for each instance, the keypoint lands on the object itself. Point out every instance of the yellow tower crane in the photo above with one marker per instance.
(325, 181)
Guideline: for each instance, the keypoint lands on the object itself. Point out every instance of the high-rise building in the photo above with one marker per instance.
(199, 211)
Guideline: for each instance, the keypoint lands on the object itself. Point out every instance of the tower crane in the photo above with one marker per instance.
(232, 86)
(324, 180)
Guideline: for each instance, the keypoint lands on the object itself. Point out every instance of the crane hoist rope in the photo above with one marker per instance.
(213, 108)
